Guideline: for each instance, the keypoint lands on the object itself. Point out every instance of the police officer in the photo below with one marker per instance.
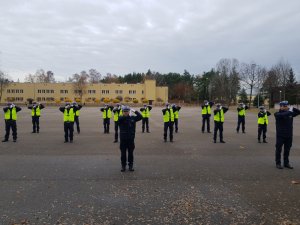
(127, 125)
(117, 113)
(35, 114)
(168, 117)
(241, 117)
(176, 109)
(77, 114)
(206, 113)
(69, 112)
(219, 120)
(10, 117)
(146, 115)
(284, 133)
(263, 121)
(106, 115)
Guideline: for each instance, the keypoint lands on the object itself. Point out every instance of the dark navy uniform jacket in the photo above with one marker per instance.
(127, 125)
(284, 122)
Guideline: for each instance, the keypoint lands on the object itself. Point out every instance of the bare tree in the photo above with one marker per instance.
(282, 69)
(40, 76)
(79, 83)
(94, 76)
(4, 82)
(250, 76)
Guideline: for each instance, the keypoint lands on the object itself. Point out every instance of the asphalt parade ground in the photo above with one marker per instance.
(190, 181)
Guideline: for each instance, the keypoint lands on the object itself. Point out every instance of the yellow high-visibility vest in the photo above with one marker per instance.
(169, 116)
(13, 114)
(69, 116)
(263, 120)
(176, 114)
(242, 112)
(206, 110)
(117, 115)
(77, 113)
(146, 113)
(219, 117)
(106, 113)
(37, 111)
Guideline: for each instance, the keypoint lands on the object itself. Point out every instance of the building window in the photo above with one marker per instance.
(48, 91)
(39, 91)
(21, 91)
(8, 90)
(107, 91)
(62, 99)
(17, 91)
(43, 91)
(12, 91)
(52, 91)
(92, 91)
(142, 91)
(38, 99)
(103, 91)
(132, 92)
(61, 91)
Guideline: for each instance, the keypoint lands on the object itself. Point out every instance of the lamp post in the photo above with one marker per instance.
(279, 96)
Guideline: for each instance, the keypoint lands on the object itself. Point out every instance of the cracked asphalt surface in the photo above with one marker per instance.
(190, 181)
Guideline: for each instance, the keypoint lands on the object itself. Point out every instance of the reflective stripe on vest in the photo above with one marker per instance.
(263, 120)
(13, 114)
(117, 115)
(168, 116)
(176, 115)
(242, 112)
(206, 110)
(106, 113)
(219, 117)
(36, 112)
(69, 116)
(146, 113)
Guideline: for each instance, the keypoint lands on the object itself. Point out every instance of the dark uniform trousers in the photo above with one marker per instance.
(145, 121)
(206, 118)
(287, 142)
(106, 123)
(76, 119)
(10, 124)
(168, 125)
(262, 129)
(127, 145)
(116, 130)
(241, 120)
(176, 124)
(69, 129)
(218, 127)
(36, 123)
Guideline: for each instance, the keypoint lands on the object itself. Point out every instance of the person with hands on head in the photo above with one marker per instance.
(176, 109)
(127, 123)
(219, 120)
(106, 115)
(10, 118)
(146, 115)
(241, 117)
(168, 118)
(77, 108)
(263, 121)
(206, 114)
(284, 133)
(117, 113)
(36, 108)
(69, 117)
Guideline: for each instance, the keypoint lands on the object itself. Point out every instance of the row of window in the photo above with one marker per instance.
(15, 91)
(45, 99)
(132, 92)
(15, 99)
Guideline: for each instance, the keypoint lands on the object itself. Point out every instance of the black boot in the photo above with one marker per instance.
(123, 169)
(278, 166)
(131, 168)
(5, 140)
(264, 141)
(288, 166)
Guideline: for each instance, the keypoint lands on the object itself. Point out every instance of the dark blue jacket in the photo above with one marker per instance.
(127, 126)
(284, 122)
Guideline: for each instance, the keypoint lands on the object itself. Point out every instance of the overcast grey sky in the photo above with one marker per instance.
(68, 36)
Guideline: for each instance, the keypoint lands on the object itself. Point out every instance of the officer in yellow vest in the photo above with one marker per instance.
(146, 115)
(117, 113)
(35, 115)
(106, 115)
(219, 120)
(263, 121)
(176, 109)
(168, 117)
(69, 117)
(10, 117)
(77, 114)
(241, 117)
(206, 114)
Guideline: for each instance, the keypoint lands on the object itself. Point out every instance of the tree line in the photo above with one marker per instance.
(228, 82)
